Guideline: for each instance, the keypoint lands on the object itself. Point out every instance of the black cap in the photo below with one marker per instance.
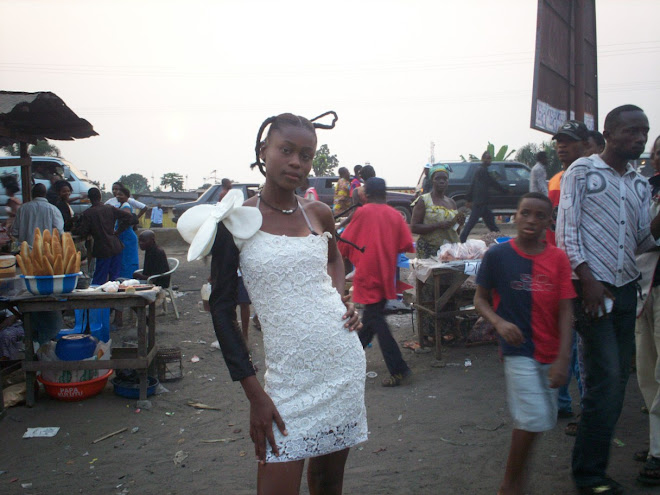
(574, 129)
(375, 186)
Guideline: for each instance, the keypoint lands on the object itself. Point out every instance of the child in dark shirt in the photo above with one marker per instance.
(155, 260)
(524, 290)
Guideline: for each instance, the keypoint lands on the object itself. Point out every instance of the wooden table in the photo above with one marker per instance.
(447, 280)
(139, 358)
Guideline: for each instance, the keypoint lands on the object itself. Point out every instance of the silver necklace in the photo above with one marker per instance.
(286, 212)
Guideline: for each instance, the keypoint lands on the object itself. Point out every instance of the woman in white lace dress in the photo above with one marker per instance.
(312, 402)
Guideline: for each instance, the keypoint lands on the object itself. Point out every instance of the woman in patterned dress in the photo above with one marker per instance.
(436, 219)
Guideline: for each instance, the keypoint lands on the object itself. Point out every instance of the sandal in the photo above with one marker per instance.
(641, 455)
(650, 473)
(396, 379)
(571, 429)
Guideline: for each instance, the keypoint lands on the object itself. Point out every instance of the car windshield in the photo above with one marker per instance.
(77, 172)
(206, 197)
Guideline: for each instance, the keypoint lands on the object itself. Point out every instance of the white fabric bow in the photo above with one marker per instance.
(199, 225)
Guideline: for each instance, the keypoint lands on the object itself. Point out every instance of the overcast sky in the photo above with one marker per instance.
(183, 86)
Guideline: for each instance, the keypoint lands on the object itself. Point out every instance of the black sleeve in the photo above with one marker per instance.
(223, 301)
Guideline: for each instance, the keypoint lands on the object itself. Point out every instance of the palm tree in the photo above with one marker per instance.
(500, 156)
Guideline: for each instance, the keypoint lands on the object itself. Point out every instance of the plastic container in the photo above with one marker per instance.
(44, 285)
(98, 321)
(206, 295)
(132, 390)
(75, 347)
(76, 391)
(7, 266)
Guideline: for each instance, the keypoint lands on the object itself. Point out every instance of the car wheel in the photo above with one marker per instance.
(405, 213)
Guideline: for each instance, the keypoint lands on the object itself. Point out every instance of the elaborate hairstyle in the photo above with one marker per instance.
(287, 119)
(613, 118)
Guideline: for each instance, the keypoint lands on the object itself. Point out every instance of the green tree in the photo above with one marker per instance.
(527, 155)
(136, 183)
(42, 148)
(206, 185)
(324, 163)
(173, 181)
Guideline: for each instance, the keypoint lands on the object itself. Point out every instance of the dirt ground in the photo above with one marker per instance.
(447, 432)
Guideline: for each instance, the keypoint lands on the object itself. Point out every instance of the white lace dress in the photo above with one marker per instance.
(315, 368)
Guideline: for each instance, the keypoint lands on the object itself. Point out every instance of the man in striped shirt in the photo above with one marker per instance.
(603, 221)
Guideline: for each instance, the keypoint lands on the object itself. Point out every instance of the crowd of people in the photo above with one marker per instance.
(562, 296)
(573, 294)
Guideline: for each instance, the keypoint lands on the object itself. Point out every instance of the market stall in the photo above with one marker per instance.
(450, 300)
(139, 358)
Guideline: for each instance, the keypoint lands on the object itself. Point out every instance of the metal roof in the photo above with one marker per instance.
(43, 115)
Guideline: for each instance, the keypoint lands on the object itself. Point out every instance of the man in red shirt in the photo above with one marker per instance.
(384, 234)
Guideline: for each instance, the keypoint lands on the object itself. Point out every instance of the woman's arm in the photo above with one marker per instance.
(336, 264)
(223, 301)
(416, 221)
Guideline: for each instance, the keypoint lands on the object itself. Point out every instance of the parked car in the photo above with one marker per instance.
(325, 188)
(513, 176)
(212, 196)
(42, 168)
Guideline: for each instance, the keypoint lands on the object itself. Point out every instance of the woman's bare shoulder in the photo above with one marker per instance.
(313, 206)
(251, 201)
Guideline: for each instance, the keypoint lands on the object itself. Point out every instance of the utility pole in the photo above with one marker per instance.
(432, 157)
(578, 40)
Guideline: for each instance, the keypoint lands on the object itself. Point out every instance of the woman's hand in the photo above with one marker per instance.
(460, 218)
(262, 414)
(353, 324)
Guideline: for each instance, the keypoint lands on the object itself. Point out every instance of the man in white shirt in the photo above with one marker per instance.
(36, 213)
(538, 178)
(138, 206)
(157, 216)
(603, 221)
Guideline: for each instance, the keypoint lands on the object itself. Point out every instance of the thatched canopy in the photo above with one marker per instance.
(28, 117)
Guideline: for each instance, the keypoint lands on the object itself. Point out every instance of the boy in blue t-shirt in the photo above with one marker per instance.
(529, 284)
